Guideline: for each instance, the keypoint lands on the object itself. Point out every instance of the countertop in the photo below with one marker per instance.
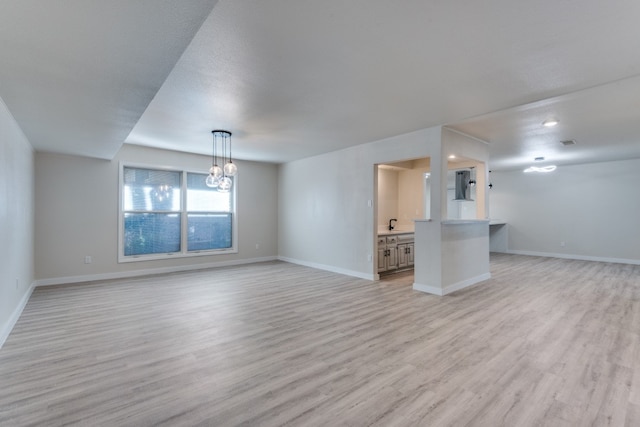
(464, 221)
(383, 232)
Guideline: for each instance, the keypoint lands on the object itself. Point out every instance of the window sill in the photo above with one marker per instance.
(158, 257)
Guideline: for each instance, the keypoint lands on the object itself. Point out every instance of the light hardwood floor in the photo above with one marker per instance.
(544, 342)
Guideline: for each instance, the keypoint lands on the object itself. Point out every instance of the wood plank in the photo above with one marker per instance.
(544, 342)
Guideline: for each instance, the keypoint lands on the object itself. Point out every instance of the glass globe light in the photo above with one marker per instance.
(212, 181)
(216, 171)
(225, 185)
(230, 169)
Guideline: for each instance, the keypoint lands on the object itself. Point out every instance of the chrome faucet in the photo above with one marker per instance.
(391, 225)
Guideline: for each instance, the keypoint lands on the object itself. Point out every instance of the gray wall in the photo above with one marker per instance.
(77, 215)
(324, 219)
(592, 208)
(16, 220)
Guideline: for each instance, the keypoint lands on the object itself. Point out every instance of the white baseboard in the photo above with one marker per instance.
(435, 290)
(428, 289)
(466, 283)
(330, 268)
(577, 257)
(147, 272)
(6, 329)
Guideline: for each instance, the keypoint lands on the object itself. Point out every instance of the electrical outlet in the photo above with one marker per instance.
(87, 260)
(17, 283)
(257, 246)
(562, 244)
(369, 258)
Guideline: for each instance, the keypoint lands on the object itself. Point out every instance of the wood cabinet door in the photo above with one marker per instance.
(402, 256)
(410, 254)
(392, 258)
(382, 259)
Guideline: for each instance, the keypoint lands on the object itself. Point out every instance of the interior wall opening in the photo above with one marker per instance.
(402, 191)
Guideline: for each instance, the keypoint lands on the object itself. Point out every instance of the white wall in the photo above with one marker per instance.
(16, 220)
(592, 208)
(453, 254)
(324, 218)
(411, 204)
(387, 196)
(77, 215)
(401, 195)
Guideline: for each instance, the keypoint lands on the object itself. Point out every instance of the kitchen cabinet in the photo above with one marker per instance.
(405, 250)
(382, 254)
(405, 255)
(387, 253)
(411, 254)
(395, 252)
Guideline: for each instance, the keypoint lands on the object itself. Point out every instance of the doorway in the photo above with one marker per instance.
(401, 192)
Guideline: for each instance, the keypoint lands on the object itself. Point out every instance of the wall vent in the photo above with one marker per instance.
(568, 142)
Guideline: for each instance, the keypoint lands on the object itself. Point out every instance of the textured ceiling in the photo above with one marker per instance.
(295, 78)
(78, 74)
(603, 121)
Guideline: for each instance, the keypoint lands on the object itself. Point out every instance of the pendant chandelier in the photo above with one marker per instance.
(219, 177)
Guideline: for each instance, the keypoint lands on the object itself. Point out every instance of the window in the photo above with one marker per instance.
(209, 215)
(166, 213)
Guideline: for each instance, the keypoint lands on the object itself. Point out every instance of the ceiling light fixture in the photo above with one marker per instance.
(542, 169)
(451, 156)
(549, 123)
(219, 177)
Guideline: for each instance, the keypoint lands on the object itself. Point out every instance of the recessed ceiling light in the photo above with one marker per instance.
(538, 159)
(550, 123)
